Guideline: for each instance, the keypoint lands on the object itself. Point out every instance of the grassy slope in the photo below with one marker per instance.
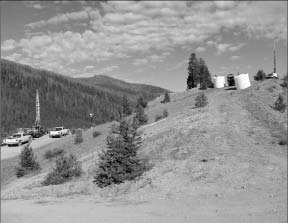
(218, 152)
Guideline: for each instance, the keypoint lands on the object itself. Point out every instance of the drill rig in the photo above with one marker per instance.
(37, 129)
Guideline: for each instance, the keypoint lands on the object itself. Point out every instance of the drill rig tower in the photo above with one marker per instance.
(37, 121)
(274, 51)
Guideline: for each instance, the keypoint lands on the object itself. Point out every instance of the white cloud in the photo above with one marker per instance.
(234, 57)
(125, 28)
(200, 49)
(38, 6)
(61, 18)
(236, 47)
(225, 4)
(88, 67)
(34, 4)
(224, 47)
(8, 45)
(138, 62)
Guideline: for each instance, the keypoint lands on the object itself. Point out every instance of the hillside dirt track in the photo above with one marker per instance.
(221, 163)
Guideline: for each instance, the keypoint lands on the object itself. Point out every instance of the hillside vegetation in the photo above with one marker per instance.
(118, 87)
(63, 100)
(218, 163)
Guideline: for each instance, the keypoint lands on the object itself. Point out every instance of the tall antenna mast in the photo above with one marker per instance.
(37, 121)
(274, 51)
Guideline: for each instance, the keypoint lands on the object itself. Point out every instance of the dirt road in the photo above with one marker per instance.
(155, 211)
(8, 152)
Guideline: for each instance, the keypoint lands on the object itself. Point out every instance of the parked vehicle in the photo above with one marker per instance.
(58, 132)
(272, 76)
(3, 143)
(37, 131)
(18, 139)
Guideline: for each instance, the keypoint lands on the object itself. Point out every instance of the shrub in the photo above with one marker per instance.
(78, 136)
(166, 98)
(164, 115)
(119, 162)
(28, 162)
(73, 131)
(279, 104)
(67, 167)
(283, 141)
(201, 100)
(53, 153)
(260, 76)
(158, 117)
(96, 133)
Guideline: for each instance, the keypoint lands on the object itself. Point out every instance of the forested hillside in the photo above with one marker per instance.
(116, 86)
(63, 101)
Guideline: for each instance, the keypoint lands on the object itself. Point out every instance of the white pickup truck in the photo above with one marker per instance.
(18, 139)
(58, 132)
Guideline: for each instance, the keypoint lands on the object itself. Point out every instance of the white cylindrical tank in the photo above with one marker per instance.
(242, 81)
(219, 81)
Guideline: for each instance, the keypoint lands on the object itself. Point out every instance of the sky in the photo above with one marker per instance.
(145, 41)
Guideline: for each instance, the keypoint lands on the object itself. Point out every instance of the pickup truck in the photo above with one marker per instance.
(58, 132)
(18, 139)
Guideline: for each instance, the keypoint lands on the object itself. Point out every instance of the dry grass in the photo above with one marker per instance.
(194, 151)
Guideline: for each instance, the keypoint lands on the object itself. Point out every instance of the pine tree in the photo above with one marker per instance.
(140, 116)
(126, 109)
(141, 102)
(193, 72)
(260, 76)
(204, 76)
(120, 162)
(28, 162)
(201, 100)
(166, 98)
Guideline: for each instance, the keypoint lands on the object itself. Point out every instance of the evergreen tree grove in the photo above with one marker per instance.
(198, 72)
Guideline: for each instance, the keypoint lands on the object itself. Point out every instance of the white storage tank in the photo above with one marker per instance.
(242, 81)
(219, 81)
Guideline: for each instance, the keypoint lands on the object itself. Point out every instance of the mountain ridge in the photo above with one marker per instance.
(63, 100)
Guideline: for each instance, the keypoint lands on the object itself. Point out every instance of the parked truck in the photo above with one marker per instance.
(58, 132)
